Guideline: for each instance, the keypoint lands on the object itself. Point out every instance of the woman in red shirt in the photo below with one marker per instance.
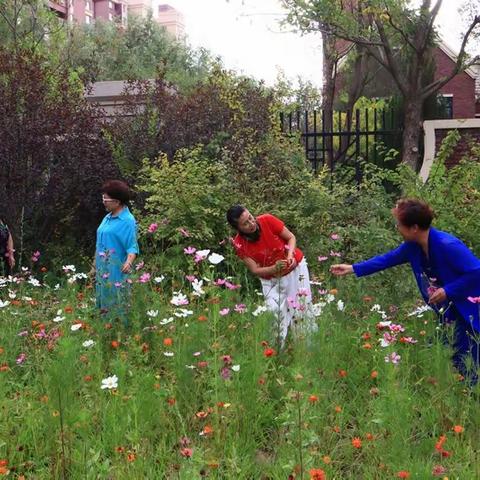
(269, 250)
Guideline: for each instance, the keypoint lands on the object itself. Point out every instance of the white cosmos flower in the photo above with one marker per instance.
(58, 319)
(168, 354)
(202, 253)
(12, 294)
(4, 304)
(75, 327)
(317, 308)
(166, 321)
(152, 313)
(88, 343)
(329, 298)
(215, 258)
(69, 268)
(110, 382)
(419, 311)
(191, 367)
(197, 287)
(236, 368)
(34, 282)
(57, 287)
(182, 313)
(159, 279)
(259, 310)
(179, 299)
(340, 306)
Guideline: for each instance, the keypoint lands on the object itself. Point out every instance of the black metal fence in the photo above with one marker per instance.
(345, 138)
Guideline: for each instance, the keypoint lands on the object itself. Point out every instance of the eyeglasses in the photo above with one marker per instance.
(104, 199)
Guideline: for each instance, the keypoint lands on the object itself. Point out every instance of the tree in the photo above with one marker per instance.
(401, 39)
(52, 152)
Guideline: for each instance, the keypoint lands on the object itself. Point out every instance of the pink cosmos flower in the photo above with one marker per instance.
(396, 328)
(184, 232)
(474, 299)
(144, 278)
(21, 358)
(394, 358)
(139, 266)
(231, 286)
(35, 256)
(191, 278)
(189, 250)
(117, 284)
(302, 292)
(240, 308)
(219, 282)
(186, 452)
(334, 236)
(227, 359)
(153, 227)
(224, 311)
(335, 254)
(322, 259)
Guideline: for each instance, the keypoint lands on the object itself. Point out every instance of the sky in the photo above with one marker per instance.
(248, 37)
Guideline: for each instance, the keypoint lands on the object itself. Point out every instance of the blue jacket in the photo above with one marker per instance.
(457, 267)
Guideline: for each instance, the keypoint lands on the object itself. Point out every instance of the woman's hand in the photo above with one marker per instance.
(11, 259)
(438, 296)
(126, 267)
(341, 269)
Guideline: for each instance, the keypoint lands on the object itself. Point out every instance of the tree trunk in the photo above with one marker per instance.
(328, 93)
(412, 129)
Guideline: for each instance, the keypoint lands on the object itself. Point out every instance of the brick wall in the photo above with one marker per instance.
(467, 135)
(462, 86)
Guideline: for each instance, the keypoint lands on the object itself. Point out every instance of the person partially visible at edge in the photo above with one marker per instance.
(116, 250)
(7, 252)
(446, 271)
(269, 250)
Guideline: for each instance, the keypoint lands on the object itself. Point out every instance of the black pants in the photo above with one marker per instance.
(5, 268)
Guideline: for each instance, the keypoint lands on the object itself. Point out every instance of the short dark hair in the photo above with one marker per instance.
(118, 190)
(412, 211)
(233, 214)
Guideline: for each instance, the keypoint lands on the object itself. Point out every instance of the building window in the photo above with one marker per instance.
(88, 6)
(110, 16)
(88, 19)
(445, 106)
(110, 5)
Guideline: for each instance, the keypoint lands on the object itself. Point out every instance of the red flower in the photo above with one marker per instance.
(403, 474)
(317, 474)
(269, 352)
(186, 452)
(356, 442)
(313, 398)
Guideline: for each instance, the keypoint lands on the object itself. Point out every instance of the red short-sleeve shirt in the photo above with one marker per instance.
(270, 247)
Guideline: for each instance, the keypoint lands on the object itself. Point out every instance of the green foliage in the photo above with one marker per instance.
(191, 193)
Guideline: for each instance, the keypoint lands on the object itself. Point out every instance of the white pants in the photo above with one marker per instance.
(290, 298)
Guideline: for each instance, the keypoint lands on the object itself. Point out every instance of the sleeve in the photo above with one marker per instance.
(274, 223)
(462, 259)
(130, 237)
(381, 262)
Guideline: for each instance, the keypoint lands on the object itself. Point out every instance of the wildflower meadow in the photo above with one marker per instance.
(194, 385)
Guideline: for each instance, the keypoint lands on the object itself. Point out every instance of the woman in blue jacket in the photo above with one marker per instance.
(446, 271)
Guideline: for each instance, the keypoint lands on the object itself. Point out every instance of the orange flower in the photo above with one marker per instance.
(201, 414)
(356, 442)
(115, 344)
(336, 429)
(261, 381)
(366, 336)
(403, 474)
(317, 474)
(145, 347)
(131, 457)
(440, 442)
(458, 429)
(369, 436)
(168, 342)
(68, 309)
(333, 291)
(367, 346)
(87, 378)
(269, 352)
(171, 401)
(313, 398)
(4, 368)
(326, 460)
(338, 408)
(43, 269)
(207, 430)
(119, 449)
(342, 373)
(202, 318)
(374, 374)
